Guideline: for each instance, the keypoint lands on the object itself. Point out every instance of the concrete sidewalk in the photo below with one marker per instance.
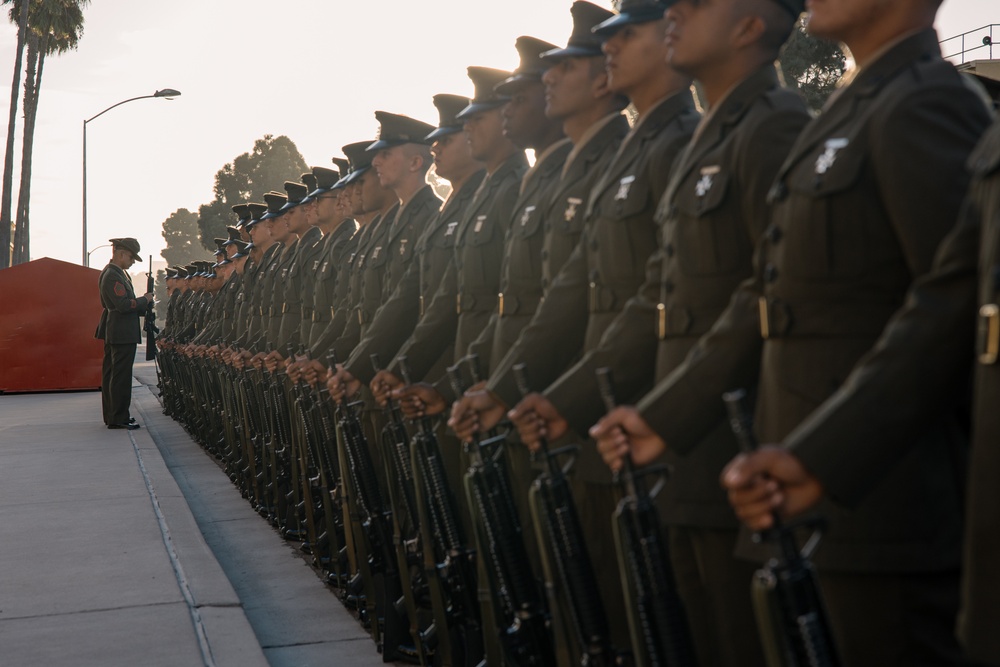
(133, 548)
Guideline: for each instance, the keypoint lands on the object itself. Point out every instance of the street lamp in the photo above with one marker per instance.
(93, 250)
(167, 93)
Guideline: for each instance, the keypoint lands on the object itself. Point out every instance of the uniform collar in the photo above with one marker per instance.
(587, 137)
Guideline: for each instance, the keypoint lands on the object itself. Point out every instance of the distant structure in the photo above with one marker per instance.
(973, 53)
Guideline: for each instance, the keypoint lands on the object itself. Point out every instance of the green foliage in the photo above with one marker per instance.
(812, 64)
(180, 231)
(58, 24)
(273, 161)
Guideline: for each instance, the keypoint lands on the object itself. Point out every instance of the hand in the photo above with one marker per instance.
(419, 400)
(273, 361)
(769, 480)
(623, 430)
(383, 383)
(477, 411)
(149, 297)
(257, 360)
(536, 418)
(314, 372)
(341, 384)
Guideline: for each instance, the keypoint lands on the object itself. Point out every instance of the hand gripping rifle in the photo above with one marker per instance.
(559, 530)
(149, 318)
(794, 627)
(396, 450)
(517, 602)
(657, 619)
(449, 561)
(376, 522)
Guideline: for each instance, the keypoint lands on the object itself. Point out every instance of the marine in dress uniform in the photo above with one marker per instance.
(865, 196)
(398, 316)
(467, 294)
(920, 369)
(119, 329)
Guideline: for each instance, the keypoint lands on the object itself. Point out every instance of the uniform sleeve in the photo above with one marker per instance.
(118, 295)
(555, 335)
(391, 326)
(436, 330)
(627, 347)
(930, 128)
(686, 405)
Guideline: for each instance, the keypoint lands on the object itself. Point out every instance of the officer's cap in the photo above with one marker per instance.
(396, 130)
(242, 212)
(234, 235)
(242, 249)
(190, 269)
(632, 11)
(484, 79)
(344, 166)
(181, 272)
(583, 42)
(361, 160)
(171, 272)
(448, 106)
(128, 243)
(295, 195)
(531, 67)
(275, 203)
(323, 180)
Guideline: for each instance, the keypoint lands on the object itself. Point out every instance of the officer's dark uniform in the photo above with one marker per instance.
(467, 294)
(315, 278)
(264, 286)
(281, 287)
(399, 314)
(387, 262)
(603, 271)
(711, 216)
(297, 293)
(341, 333)
(865, 196)
(515, 306)
(119, 329)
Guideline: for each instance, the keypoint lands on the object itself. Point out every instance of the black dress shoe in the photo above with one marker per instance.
(130, 427)
(131, 420)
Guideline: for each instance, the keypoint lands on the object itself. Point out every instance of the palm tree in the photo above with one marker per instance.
(54, 27)
(8, 162)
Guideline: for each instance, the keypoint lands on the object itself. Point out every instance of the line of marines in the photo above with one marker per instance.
(382, 372)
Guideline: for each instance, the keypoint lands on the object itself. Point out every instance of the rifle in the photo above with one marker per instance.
(657, 620)
(517, 604)
(448, 559)
(376, 524)
(559, 528)
(149, 318)
(794, 626)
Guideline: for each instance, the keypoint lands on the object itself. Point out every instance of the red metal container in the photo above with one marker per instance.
(49, 310)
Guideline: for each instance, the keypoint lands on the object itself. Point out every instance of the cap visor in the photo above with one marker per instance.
(616, 23)
(355, 175)
(443, 132)
(571, 52)
(479, 107)
(518, 82)
(382, 144)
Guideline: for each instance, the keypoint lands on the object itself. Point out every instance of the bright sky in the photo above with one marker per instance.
(315, 70)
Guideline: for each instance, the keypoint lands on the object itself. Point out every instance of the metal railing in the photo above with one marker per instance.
(972, 45)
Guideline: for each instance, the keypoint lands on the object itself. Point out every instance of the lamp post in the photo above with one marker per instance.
(93, 250)
(167, 93)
